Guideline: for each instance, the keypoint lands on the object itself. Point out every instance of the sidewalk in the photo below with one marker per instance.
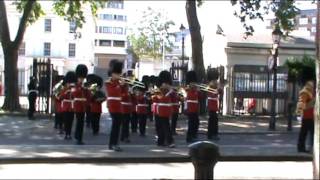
(25, 141)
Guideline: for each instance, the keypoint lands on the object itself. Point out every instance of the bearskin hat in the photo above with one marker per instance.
(116, 67)
(212, 74)
(70, 77)
(164, 77)
(153, 79)
(191, 77)
(81, 71)
(146, 80)
(307, 74)
(98, 80)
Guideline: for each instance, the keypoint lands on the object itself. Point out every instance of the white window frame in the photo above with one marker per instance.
(22, 49)
(72, 50)
(47, 25)
(47, 49)
(303, 21)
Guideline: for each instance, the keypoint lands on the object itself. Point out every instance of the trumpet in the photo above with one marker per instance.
(133, 82)
(206, 88)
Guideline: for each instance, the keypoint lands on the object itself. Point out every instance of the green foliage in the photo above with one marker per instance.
(35, 13)
(284, 10)
(150, 35)
(295, 66)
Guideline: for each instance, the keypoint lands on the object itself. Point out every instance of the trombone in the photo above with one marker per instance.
(206, 88)
(133, 82)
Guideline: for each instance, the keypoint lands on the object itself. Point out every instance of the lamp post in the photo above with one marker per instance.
(276, 37)
(182, 31)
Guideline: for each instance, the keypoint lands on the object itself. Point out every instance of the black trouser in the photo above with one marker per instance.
(88, 117)
(134, 122)
(174, 119)
(164, 132)
(142, 123)
(58, 120)
(150, 113)
(307, 126)
(212, 124)
(193, 126)
(32, 102)
(115, 128)
(125, 126)
(68, 120)
(79, 126)
(157, 124)
(95, 122)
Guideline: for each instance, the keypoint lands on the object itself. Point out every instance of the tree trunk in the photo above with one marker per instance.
(196, 39)
(316, 146)
(11, 101)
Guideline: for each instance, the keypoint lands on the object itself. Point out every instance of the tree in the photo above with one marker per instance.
(151, 36)
(31, 11)
(196, 38)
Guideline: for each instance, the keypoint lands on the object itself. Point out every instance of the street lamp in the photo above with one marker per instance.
(276, 37)
(182, 31)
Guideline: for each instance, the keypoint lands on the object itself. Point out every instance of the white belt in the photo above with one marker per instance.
(192, 101)
(67, 100)
(30, 91)
(210, 98)
(80, 99)
(175, 104)
(144, 105)
(164, 104)
(114, 98)
(126, 103)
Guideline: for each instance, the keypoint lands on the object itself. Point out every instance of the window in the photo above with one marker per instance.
(47, 49)
(107, 30)
(303, 21)
(105, 43)
(22, 49)
(107, 16)
(314, 20)
(120, 17)
(118, 30)
(303, 29)
(115, 4)
(118, 44)
(72, 49)
(72, 26)
(47, 25)
(313, 29)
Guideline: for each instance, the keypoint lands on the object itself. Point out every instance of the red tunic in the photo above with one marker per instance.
(155, 100)
(164, 107)
(175, 102)
(95, 104)
(80, 97)
(58, 105)
(113, 89)
(142, 106)
(192, 100)
(126, 105)
(213, 101)
(134, 102)
(66, 100)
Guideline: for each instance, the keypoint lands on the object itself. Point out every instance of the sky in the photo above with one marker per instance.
(210, 14)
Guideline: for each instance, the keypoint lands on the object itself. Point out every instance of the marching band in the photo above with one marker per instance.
(131, 102)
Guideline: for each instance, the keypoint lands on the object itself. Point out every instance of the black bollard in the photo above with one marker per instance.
(204, 156)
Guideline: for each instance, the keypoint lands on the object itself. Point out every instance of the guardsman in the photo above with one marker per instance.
(141, 109)
(58, 115)
(32, 96)
(164, 110)
(95, 104)
(126, 110)
(213, 105)
(113, 89)
(80, 96)
(192, 106)
(70, 80)
(133, 118)
(175, 98)
(89, 81)
(305, 108)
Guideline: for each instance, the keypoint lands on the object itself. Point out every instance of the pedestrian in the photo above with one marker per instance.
(58, 115)
(164, 110)
(192, 106)
(70, 80)
(126, 110)
(32, 96)
(95, 104)
(81, 97)
(141, 109)
(113, 89)
(305, 109)
(213, 105)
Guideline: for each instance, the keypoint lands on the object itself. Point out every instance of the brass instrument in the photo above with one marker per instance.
(206, 88)
(133, 82)
(57, 88)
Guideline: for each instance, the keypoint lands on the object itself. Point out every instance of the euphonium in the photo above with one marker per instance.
(57, 88)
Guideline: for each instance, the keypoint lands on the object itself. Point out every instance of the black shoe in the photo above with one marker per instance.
(115, 148)
(127, 140)
(61, 132)
(80, 143)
